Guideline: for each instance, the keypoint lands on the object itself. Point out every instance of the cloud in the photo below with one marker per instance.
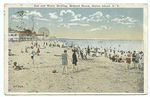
(131, 26)
(95, 29)
(76, 17)
(53, 15)
(125, 21)
(14, 16)
(79, 24)
(101, 28)
(105, 27)
(68, 11)
(116, 19)
(60, 19)
(130, 19)
(62, 24)
(43, 19)
(98, 16)
(108, 16)
(95, 20)
(84, 18)
(72, 16)
(26, 17)
(35, 13)
(121, 15)
(110, 28)
(72, 24)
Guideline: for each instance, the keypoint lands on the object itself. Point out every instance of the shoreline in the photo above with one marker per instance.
(102, 39)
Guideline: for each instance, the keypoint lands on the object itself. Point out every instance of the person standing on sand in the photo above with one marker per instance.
(110, 53)
(105, 53)
(36, 44)
(101, 50)
(81, 53)
(85, 53)
(114, 51)
(32, 53)
(88, 50)
(133, 58)
(128, 60)
(137, 57)
(74, 60)
(64, 57)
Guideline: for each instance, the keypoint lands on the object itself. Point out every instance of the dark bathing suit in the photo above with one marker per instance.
(74, 59)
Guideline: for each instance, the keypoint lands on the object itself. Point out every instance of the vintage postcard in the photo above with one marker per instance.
(76, 48)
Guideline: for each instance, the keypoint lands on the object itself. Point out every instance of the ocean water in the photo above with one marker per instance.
(125, 45)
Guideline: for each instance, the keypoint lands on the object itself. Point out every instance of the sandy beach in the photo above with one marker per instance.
(95, 75)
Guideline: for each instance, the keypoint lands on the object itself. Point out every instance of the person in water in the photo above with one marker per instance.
(64, 57)
(74, 60)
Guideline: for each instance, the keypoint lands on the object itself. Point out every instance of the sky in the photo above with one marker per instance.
(101, 23)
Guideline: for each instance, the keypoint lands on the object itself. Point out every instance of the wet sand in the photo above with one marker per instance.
(95, 75)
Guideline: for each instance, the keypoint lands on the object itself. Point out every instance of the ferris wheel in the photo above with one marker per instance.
(43, 31)
(23, 23)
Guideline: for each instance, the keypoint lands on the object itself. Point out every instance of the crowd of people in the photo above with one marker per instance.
(134, 59)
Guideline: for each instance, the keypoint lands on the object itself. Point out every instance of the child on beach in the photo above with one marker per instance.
(65, 61)
(74, 60)
(17, 67)
(38, 51)
(32, 53)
